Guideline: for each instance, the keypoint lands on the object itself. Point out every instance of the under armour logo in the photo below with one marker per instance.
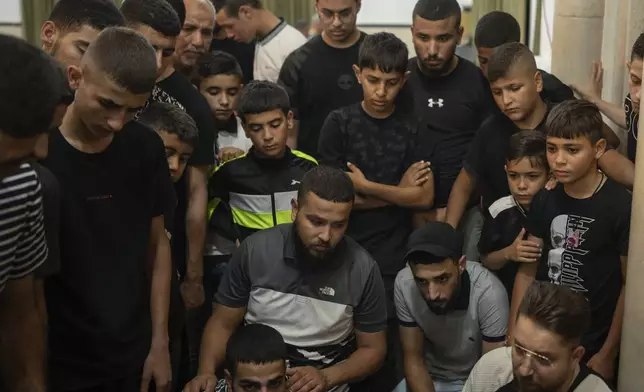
(439, 102)
(294, 182)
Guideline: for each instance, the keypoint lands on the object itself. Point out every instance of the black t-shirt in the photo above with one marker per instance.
(51, 212)
(178, 91)
(99, 304)
(632, 120)
(583, 241)
(383, 149)
(554, 90)
(486, 158)
(449, 110)
(319, 79)
(244, 52)
(504, 220)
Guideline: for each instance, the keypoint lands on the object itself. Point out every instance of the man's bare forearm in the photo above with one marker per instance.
(160, 287)
(458, 198)
(610, 348)
(213, 345)
(618, 168)
(22, 338)
(417, 376)
(362, 363)
(413, 197)
(196, 221)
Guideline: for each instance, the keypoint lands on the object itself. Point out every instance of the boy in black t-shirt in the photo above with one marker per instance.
(108, 307)
(516, 84)
(503, 244)
(376, 144)
(180, 137)
(583, 226)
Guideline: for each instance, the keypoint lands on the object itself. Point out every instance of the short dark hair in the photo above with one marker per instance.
(383, 51)
(180, 8)
(575, 118)
(158, 14)
(438, 10)
(254, 344)
(217, 63)
(127, 57)
(505, 57)
(260, 97)
(163, 117)
(30, 88)
(232, 6)
(328, 184)
(558, 309)
(495, 29)
(638, 48)
(528, 144)
(97, 14)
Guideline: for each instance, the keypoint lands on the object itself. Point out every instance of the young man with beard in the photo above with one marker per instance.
(516, 84)
(29, 96)
(319, 76)
(545, 354)
(317, 287)
(449, 98)
(108, 307)
(451, 311)
(248, 20)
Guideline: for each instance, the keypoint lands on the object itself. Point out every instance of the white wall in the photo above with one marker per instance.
(547, 21)
(389, 12)
(10, 12)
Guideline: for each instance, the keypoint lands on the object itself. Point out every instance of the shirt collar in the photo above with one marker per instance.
(463, 300)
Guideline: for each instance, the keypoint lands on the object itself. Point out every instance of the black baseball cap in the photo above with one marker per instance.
(438, 239)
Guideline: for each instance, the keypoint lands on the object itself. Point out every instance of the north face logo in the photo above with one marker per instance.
(439, 103)
(327, 291)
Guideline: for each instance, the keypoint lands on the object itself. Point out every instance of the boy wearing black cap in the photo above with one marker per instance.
(458, 306)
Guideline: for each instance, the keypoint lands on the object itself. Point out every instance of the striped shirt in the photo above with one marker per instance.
(22, 231)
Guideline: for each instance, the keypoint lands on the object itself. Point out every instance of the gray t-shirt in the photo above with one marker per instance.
(453, 342)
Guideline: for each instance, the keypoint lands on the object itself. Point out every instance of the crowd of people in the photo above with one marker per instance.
(195, 196)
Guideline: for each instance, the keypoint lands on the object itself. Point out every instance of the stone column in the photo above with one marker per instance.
(577, 34)
(631, 376)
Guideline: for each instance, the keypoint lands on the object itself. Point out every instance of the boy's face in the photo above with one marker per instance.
(517, 94)
(268, 132)
(571, 159)
(163, 47)
(241, 28)
(525, 178)
(380, 88)
(221, 93)
(635, 82)
(265, 377)
(177, 153)
(101, 104)
(68, 47)
(484, 55)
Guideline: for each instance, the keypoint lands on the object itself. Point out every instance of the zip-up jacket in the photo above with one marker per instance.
(248, 194)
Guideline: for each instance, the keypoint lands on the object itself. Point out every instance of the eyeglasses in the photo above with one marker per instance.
(522, 353)
(345, 16)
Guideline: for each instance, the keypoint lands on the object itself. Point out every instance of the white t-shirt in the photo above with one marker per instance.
(237, 140)
(493, 373)
(272, 50)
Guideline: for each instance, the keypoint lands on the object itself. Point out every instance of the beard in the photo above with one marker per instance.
(442, 307)
(435, 71)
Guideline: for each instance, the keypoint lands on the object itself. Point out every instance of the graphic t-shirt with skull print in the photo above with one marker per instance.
(583, 241)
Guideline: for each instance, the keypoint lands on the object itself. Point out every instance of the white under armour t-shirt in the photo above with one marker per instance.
(272, 50)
